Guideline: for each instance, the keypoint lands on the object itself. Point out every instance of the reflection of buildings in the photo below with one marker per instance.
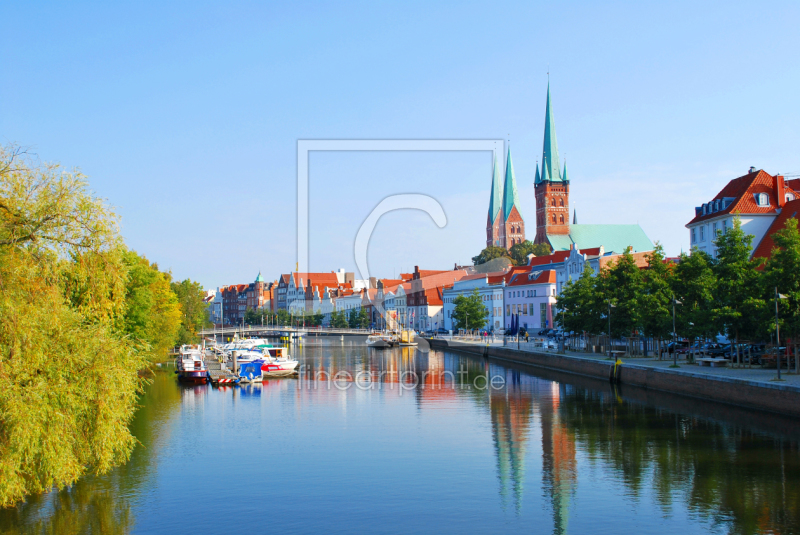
(511, 411)
(559, 472)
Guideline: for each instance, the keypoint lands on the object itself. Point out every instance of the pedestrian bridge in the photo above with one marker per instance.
(278, 331)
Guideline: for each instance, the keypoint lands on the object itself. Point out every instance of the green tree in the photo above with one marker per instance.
(490, 253)
(783, 272)
(621, 284)
(362, 320)
(469, 312)
(195, 310)
(253, 317)
(738, 299)
(339, 319)
(68, 372)
(152, 313)
(580, 305)
(694, 285)
(520, 251)
(655, 300)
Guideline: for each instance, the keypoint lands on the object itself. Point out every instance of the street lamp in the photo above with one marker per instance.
(778, 334)
(610, 306)
(674, 334)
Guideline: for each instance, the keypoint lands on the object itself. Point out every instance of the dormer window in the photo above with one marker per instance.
(716, 206)
(789, 197)
(705, 209)
(762, 199)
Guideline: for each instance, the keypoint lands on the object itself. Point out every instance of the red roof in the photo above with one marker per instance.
(316, 279)
(790, 211)
(434, 296)
(794, 185)
(521, 278)
(554, 258)
(743, 190)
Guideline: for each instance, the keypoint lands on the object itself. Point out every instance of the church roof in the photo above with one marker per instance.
(510, 197)
(550, 165)
(614, 238)
(496, 200)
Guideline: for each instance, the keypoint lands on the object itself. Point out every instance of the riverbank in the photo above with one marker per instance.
(749, 388)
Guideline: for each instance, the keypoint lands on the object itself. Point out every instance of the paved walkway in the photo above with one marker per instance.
(755, 373)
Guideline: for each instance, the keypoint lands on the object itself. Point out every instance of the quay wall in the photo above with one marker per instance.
(776, 398)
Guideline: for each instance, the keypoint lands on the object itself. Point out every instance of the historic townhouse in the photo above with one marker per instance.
(490, 289)
(758, 198)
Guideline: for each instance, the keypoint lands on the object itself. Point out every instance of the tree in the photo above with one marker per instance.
(339, 319)
(520, 251)
(621, 284)
(580, 304)
(738, 300)
(655, 300)
(195, 310)
(783, 272)
(69, 377)
(469, 312)
(153, 313)
(362, 320)
(252, 316)
(694, 285)
(490, 253)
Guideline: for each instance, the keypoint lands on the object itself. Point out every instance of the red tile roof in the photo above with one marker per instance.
(742, 190)
(789, 211)
(521, 279)
(794, 185)
(556, 257)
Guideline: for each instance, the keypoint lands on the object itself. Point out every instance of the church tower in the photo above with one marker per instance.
(495, 219)
(551, 186)
(513, 229)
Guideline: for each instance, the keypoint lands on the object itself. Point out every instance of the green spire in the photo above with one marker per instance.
(497, 192)
(538, 177)
(550, 153)
(259, 278)
(564, 176)
(510, 198)
(545, 173)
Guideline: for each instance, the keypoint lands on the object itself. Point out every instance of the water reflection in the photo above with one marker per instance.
(562, 450)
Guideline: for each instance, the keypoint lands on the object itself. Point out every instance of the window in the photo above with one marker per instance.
(762, 199)
(561, 202)
(543, 314)
(554, 218)
(694, 237)
(789, 197)
(508, 310)
(724, 226)
(530, 307)
(562, 219)
(703, 233)
(715, 229)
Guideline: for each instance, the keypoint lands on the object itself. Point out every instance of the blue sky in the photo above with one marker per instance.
(186, 116)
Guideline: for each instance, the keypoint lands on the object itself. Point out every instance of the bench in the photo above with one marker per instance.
(712, 362)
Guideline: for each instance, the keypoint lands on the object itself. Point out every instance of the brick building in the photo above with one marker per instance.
(505, 226)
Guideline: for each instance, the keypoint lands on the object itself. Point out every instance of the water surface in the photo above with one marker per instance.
(405, 441)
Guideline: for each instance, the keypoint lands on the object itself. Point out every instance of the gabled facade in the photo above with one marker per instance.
(530, 295)
(757, 198)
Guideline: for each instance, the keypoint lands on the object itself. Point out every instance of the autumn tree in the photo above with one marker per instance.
(68, 370)
(191, 297)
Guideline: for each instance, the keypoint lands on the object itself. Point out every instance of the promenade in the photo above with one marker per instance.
(746, 387)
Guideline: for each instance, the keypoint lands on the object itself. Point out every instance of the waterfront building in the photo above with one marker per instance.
(758, 198)
(552, 186)
(490, 289)
(505, 226)
(424, 299)
(530, 295)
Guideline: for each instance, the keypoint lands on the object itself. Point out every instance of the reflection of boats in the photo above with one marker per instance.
(378, 341)
(190, 366)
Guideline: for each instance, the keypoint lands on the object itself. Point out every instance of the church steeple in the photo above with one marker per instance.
(510, 198)
(550, 151)
(496, 200)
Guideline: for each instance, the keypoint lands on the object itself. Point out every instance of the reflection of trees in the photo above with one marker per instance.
(723, 473)
(101, 504)
(559, 470)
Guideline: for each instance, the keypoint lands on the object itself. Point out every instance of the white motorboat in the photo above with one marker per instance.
(277, 362)
(190, 366)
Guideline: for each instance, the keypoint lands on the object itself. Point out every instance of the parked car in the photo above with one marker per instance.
(721, 351)
(544, 332)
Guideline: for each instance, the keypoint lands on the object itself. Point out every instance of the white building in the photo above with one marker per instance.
(530, 295)
(756, 197)
(490, 289)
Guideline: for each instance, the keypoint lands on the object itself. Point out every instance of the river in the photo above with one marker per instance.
(388, 441)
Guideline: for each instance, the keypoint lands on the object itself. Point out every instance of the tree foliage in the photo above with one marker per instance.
(68, 372)
(520, 251)
(469, 312)
(191, 296)
(490, 253)
(783, 272)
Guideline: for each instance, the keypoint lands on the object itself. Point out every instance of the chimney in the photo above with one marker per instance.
(780, 189)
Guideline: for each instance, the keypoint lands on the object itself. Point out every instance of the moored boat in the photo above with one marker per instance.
(378, 341)
(190, 366)
(277, 362)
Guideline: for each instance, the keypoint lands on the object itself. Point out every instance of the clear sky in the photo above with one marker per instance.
(186, 116)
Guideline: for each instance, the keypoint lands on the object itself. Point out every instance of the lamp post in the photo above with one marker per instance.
(674, 334)
(610, 306)
(778, 334)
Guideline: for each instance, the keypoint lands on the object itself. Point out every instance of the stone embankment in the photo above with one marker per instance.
(754, 393)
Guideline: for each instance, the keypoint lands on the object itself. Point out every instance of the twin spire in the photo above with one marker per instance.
(504, 194)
